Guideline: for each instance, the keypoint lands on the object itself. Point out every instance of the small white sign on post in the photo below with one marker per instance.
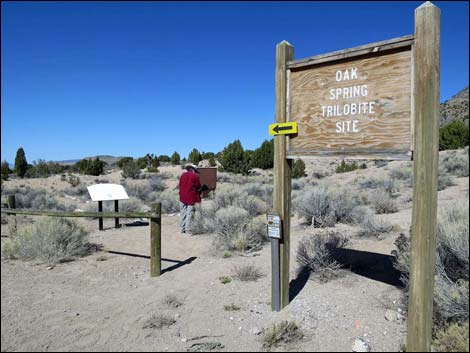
(274, 226)
(107, 192)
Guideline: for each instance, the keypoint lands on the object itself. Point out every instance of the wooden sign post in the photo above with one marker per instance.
(376, 101)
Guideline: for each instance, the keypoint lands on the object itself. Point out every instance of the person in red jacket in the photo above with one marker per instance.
(190, 189)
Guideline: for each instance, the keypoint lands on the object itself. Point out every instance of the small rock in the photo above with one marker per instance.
(256, 331)
(184, 340)
(78, 314)
(390, 315)
(360, 345)
(50, 268)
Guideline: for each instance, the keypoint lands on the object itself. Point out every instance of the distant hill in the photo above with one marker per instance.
(455, 108)
(110, 160)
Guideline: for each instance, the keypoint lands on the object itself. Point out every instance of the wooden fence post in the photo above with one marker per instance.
(426, 55)
(116, 209)
(282, 168)
(13, 225)
(155, 241)
(100, 219)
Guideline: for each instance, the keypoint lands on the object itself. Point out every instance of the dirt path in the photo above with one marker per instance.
(90, 305)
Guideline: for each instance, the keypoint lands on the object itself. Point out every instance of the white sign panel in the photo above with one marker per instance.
(274, 226)
(107, 192)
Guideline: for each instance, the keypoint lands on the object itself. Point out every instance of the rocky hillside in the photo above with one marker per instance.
(455, 108)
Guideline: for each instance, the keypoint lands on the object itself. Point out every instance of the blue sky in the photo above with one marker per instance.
(128, 78)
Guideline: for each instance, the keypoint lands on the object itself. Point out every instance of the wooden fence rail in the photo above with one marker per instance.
(154, 220)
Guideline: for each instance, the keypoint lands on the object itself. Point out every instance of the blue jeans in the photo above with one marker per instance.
(186, 216)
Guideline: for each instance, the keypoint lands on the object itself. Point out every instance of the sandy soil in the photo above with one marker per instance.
(91, 305)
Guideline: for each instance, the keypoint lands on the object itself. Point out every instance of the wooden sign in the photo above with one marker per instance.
(355, 102)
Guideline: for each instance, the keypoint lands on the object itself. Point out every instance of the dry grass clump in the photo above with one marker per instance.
(51, 240)
(317, 254)
(159, 321)
(247, 273)
(225, 279)
(172, 301)
(232, 307)
(286, 332)
(455, 163)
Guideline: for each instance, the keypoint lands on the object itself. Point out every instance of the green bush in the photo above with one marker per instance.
(194, 157)
(21, 165)
(263, 156)
(175, 158)
(123, 161)
(298, 169)
(453, 136)
(5, 170)
(90, 167)
(51, 240)
(345, 167)
(453, 338)
(283, 333)
(130, 169)
(233, 158)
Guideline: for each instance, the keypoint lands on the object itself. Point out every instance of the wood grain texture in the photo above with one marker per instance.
(156, 241)
(384, 131)
(31, 212)
(282, 170)
(425, 171)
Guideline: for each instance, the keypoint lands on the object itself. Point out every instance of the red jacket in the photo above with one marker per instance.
(189, 188)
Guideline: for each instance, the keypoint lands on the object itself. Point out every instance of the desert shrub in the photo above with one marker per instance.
(383, 202)
(298, 169)
(453, 338)
(152, 169)
(453, 135)
(175, 158)
(244, 197)
(172, 301)
(77, 191)
(124, 160)
(247, 273)
(252, 204)
(156, 183)
(225, 279)
(130, 169)
(223, 177)
(51, 240)
(202, 222)
(90, 167)
(401, 173)
(316, 254)
(138, 189)
(73, 180)
(38, 199)
(168, 198)
(316, 207)
(451, 292)
(159, 321)
(389, 185)
(345, 167)
(343, 205)
(298, 184)
(132, 204)
(195, 156)
(285, 332)
(455, 164)
(444, 181)
(372, 226)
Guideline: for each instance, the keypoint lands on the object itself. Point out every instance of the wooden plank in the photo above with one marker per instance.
(13, 226)
(375, 156)
(426, 159)
(282, 168)
(155, 241)
(116, 209)
(359, 106)
(100, 219)
(80, 214)
(390, 44)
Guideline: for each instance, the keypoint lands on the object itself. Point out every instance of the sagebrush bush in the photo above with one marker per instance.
(38, 199)
(130, 169)
(168, 198)
(388, 184)
(451, 292)
(401, 172)
(383, 202)
(316, 254)
(51, 240)
(371, 225)
(159, 321)
(453, 338)
(444, 181)
(456, 164)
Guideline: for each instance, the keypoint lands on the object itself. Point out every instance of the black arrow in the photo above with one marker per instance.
(278, 128)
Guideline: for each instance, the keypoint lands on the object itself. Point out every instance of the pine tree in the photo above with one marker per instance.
(195, 157)
(21, 165)
(298, 169)
(5, 170)
(175, 158)
(233, 158)
(263, 156)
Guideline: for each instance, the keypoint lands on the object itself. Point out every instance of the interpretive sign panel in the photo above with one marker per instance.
(274, 226)
(355, 102)
(107, 192)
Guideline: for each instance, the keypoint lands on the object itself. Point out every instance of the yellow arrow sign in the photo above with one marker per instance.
(283, 128)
